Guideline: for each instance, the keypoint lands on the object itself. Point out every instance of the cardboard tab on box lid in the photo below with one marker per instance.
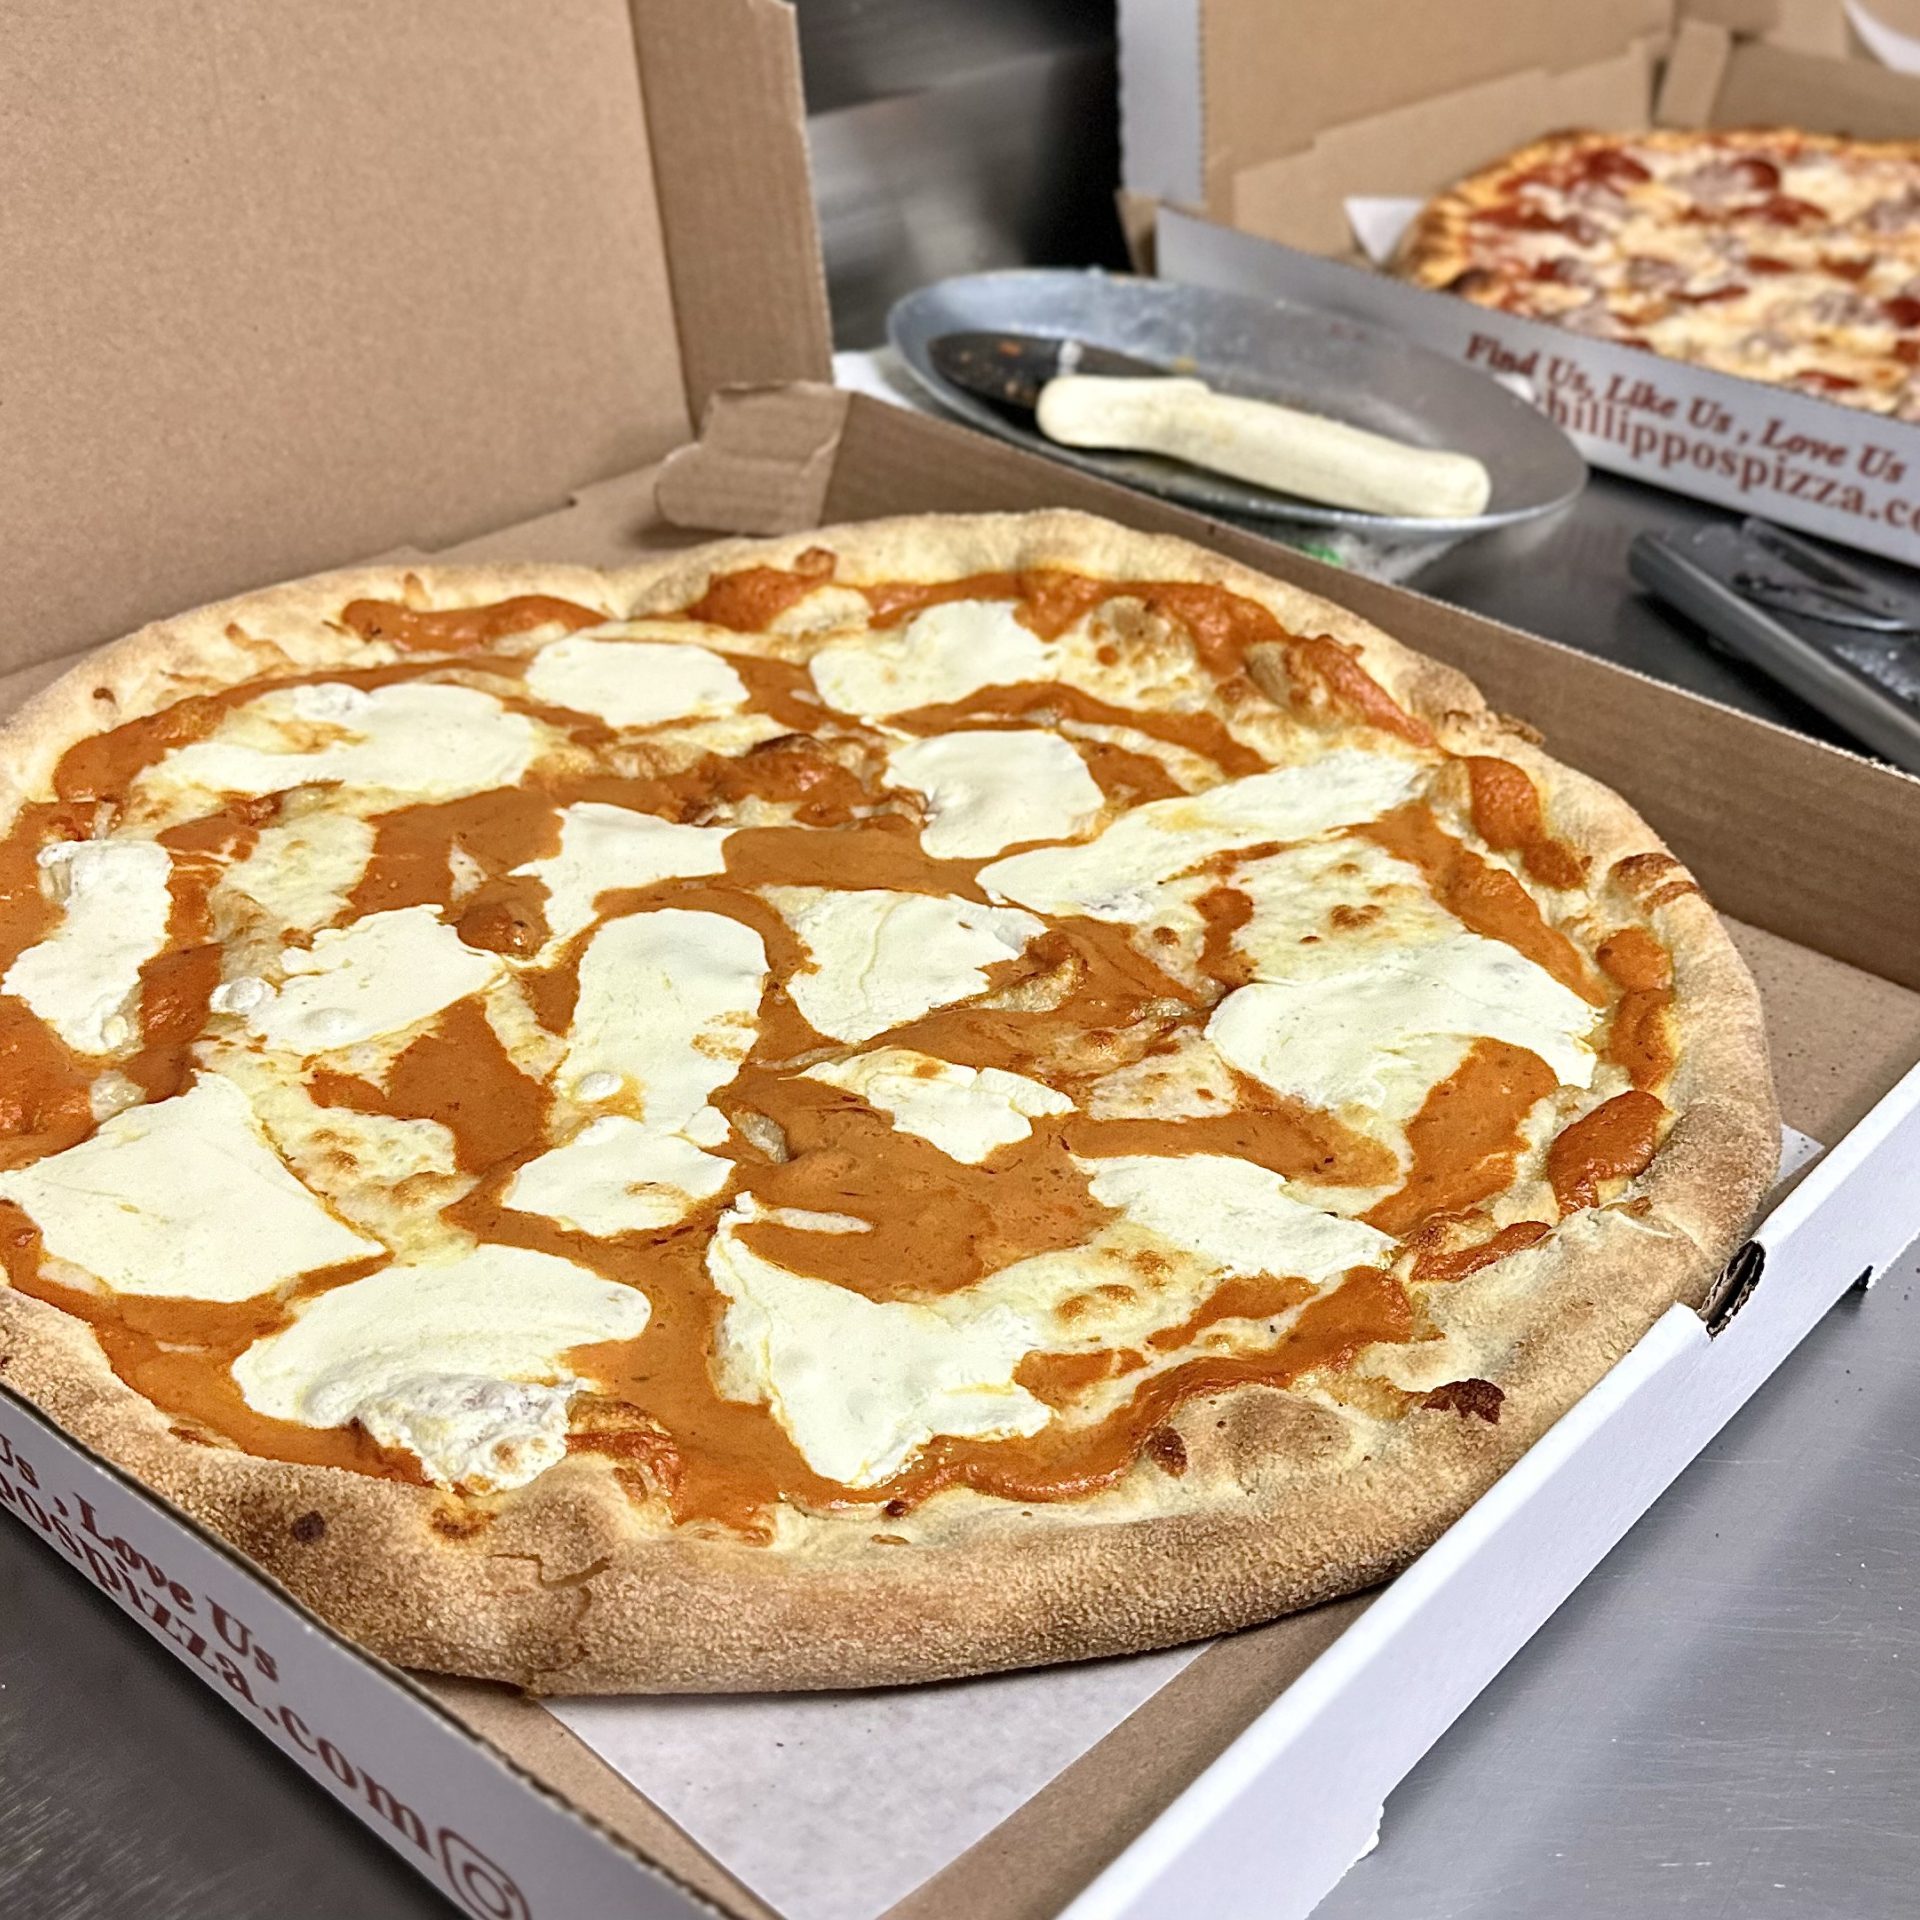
(761, 464)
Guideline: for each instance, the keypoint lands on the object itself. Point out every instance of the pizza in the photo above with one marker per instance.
(932, 1096)
(1788, 257)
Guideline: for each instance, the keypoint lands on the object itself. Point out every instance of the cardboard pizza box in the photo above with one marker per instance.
(1255, 151)
(1238, 1778)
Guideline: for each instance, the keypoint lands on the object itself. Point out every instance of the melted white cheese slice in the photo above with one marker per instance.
(602, 848)
(461, 1363)
(859, 1385)
(880, 959)
(1294, 895)
(113, 921)
(634, 683)
(992, 788)
(1119, 875)
(1355, 1036)
(942, 654)
(418, 737)
(377, 976)
(300, 872)
(183, 1199)
(1237, 1216)
(668, 1007)
(967, 1112)
(617, 1176)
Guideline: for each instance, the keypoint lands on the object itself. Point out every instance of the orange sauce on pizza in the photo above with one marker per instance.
(1082, 1000)
(1640, 1039)
(1456, 1263)
(1613, 1142)
(1466, 1136)
(1507, 816)
(1485, 898)
(455, 629)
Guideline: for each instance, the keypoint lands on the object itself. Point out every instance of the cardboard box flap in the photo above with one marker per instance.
(761, 464)
(1272, 80)
(749, 283)
(292, 286)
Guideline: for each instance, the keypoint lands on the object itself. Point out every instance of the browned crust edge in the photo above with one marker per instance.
(557, 1588)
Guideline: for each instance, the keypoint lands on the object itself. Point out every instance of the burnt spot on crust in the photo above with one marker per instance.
(1167, 1451)
(309, 1527)
(458, 1523)
(187, 1434)
(1468, 1398)
(1652, 878)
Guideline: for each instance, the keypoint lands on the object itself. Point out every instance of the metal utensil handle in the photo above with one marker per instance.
(1835, 690)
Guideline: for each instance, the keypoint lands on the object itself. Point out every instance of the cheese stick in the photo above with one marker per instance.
(1272, 446)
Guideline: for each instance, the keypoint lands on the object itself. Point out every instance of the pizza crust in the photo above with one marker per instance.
(1283, 1502)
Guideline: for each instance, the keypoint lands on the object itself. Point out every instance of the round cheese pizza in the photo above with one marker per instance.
(1779, 256)
(932, 1096)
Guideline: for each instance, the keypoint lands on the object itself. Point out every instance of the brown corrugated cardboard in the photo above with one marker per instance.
(280, 292)
(1273, 81)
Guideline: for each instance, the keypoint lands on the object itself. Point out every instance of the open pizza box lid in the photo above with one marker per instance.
(288, 289)
(294, 296)
(1289, 164)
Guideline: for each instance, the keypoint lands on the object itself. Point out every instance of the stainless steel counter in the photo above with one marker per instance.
(1724, 1721)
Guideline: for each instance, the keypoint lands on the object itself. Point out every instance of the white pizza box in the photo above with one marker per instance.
(208, 430)
(1257, 151)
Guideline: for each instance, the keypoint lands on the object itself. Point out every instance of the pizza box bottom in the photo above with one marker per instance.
(1238, 1778)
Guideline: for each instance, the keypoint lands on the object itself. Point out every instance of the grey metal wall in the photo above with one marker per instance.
(952, 135)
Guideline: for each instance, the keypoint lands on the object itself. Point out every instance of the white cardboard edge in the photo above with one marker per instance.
(1900, 51)
(1796, 459)
(390, 1755)
(1316, 1766)
(1162, 115)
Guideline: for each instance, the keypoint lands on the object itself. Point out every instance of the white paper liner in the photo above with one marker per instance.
(832, 1806)
(1900, 51)
(1378, 221)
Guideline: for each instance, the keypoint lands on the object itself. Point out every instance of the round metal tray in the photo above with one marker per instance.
(1318, 362)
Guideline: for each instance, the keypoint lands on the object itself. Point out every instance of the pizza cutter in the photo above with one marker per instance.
(1083, 395)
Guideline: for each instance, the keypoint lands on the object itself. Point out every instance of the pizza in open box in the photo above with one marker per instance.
(929, 1096)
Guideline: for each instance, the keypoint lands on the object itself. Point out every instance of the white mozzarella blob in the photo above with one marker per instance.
(942, 654)
(991, 788)
(300, 872)
(379, 975)
(115, 907)
(462, 1363)
(1295, 894)
(668, 1004)
(634, 683)
(1237, 1216)
(617, 1176)
(880, 959)
(1119, 875)
(967, 1112)
(422, 738)
(182, 1199)
(603, 848)
(1353, 1037)
(859, 1385)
